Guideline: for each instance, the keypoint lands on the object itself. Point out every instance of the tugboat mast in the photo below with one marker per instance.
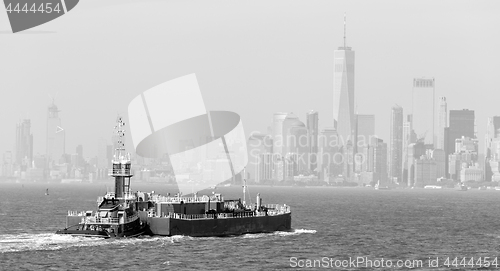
(121, 163)
(245, 187)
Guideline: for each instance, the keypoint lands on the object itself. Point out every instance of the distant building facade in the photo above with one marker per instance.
(56, 145)
(442, 123)
(415, 151)
(24, 145)
(330, 159)
(492, 150)
(278, 119)
(423, 109)
(409, 137)
(465, 156)
(461, 123)
(312, 122)
(365, 139)
(425, 171)
(396, 144)
(380, 163)
(258, 144)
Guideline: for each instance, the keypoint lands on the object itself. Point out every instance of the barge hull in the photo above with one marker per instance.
(168, 226)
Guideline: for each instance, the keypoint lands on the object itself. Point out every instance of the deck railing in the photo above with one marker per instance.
(75, 213)
(110, 195)
(120, 171)
(276, 209)
(99, 220)
(129, 196)
(281, 209)
(170, 199)
(94, 219)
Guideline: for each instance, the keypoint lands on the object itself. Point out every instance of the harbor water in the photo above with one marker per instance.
(330, 226)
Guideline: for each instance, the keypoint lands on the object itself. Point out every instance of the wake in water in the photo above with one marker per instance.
(42, 241)
(279, 233)
(52, 241)
(297, 231)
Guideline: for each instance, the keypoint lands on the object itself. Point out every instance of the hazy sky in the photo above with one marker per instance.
(250, 57)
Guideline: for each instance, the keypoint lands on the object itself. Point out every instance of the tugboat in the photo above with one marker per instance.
(116, 214)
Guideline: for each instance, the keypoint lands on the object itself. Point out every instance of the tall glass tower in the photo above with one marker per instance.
(343, 92)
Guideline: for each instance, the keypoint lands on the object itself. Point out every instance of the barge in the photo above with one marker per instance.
(123, 213)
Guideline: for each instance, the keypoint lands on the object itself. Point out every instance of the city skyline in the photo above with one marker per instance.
(90, 96)
(209, 122)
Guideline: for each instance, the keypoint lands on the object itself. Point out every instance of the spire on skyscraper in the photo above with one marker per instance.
(344, 30)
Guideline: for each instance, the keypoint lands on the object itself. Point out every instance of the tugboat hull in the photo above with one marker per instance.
(132, 229)
(84, 233)
(102, 233)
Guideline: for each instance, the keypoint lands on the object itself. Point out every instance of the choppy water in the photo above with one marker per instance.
(328, 224)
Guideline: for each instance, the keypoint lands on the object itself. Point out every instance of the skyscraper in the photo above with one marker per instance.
(415, 151)
(278, 141)
(365, 139)
(396, 144)
(296, 146)
(102, 154)
(265, 168)
(423, 109)
(492, 131)
(79, 151)
(343, 92)
(492, 150)
(299, 146)
(312, 129)
(425, 170)
(464, 156)
(443, 123)
(330, 160)
(439, 157)
(380, 162)
(461, 124)
(55, 136)
(256, 147)
(409, 137)
(24, 145)
(290, 121)
(7, 164)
